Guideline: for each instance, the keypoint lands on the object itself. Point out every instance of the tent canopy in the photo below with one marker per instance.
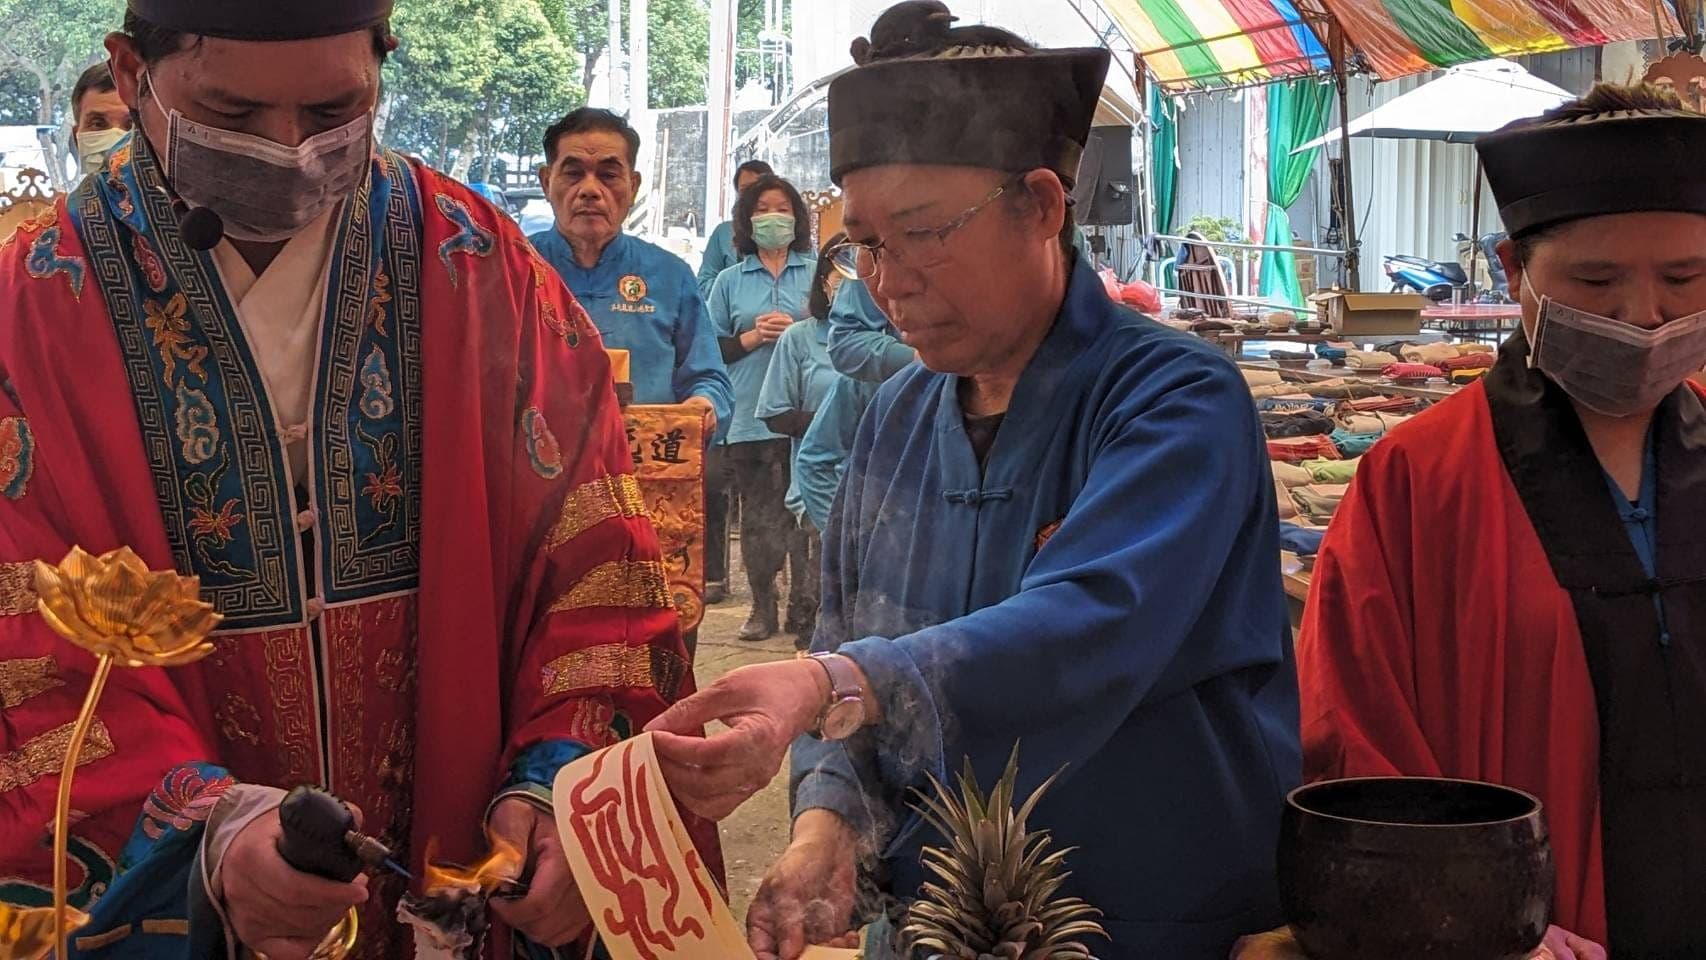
(1203, 44)
(1468, 101)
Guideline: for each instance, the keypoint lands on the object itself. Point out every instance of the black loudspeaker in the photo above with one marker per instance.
(1106, 187)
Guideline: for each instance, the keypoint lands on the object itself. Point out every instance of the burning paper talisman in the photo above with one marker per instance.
(449, 914)
(668, 447)
(649, 893)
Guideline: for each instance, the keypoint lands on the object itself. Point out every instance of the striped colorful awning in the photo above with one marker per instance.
(1202, 44)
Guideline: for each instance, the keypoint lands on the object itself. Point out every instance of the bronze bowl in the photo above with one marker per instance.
(1412, 867)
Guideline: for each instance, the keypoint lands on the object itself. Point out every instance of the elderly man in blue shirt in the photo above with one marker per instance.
(720, 249)
(642, 298)
(1054, 530)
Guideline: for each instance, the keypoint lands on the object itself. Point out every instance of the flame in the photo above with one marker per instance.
(505, 862)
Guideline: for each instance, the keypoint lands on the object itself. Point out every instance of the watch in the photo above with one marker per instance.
(844, 714)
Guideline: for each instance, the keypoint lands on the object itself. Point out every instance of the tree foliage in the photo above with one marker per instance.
(473, 79)
(51, 42)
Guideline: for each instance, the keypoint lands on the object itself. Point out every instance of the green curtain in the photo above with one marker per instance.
(1163, 158)
(1297, 114)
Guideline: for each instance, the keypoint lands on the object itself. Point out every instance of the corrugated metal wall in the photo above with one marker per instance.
(1211, 158)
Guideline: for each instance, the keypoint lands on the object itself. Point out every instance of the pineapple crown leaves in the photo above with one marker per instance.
(995, 893)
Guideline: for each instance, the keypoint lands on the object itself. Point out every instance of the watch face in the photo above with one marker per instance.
(843, 718)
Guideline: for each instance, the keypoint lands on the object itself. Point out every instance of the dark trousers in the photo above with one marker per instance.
(761, 485)
(718, 489)
(805, 569)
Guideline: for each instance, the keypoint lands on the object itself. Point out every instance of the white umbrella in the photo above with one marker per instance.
(1468, 101)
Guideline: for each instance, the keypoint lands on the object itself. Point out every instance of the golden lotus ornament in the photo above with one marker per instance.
(124, 614)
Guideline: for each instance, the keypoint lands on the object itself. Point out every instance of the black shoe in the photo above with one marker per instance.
(716, 593)
(760, 624)
(801, 623)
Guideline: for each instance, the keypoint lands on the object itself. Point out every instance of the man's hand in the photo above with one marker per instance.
(807, 897)
(274, 909)
(1280, 945)
(552, 914)
(766, 708)
(705, 407)
(771, 326)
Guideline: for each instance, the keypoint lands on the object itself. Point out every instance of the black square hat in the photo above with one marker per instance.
(963, 97)
(263, 19)
(1558, 168)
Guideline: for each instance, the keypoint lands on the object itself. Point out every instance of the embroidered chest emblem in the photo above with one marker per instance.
(542, 446)
(632, 288)
(470, 238)
(44, 261)
(17, 457)
(1047, 533)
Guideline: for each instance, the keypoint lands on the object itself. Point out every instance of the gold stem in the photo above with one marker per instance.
(62, 813)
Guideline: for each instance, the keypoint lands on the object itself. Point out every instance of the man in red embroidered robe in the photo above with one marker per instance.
(237, 349)
(1514, 589)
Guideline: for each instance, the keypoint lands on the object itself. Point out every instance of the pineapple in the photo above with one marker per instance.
(997, 899)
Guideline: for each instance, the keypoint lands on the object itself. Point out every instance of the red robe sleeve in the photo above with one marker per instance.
(548, 629)
(1356, 651)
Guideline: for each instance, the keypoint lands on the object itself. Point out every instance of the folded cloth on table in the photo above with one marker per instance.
(1303, 541)
(1272, 390)
(1429, 353)
(1368, 359)
(1468, 349)
(1394, 347)
(1212, 326)
(1261, 378)
(1383, 404)
(1282, 501)
(1461, 377)
(1300, 423)
(1278, 354)
(1328, 352)
(1331, 471)
(1413, 371)
(1317, 502)
(1342, 389)
(1275, 404)
(1290, 474)
(1354, 444)
(1299, 449)
(1468, 361)
(1362, 423)
(1391, 420)
(1279, 321)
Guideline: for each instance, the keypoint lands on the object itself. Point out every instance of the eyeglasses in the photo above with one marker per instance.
(917, 247)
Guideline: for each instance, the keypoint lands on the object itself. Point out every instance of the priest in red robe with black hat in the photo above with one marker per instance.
(236, 349)
(1514, 589)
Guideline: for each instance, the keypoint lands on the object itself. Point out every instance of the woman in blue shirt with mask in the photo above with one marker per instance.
(752, 303)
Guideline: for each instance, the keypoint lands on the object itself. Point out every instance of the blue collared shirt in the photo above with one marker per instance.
(742, 294)
(799, 379)
(643, 299)
(719, 256)
(862, 343)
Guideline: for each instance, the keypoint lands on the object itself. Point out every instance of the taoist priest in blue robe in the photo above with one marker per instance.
(1058, 530)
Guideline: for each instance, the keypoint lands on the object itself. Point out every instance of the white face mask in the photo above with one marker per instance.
(264, 191)
(94, 147)
(1611, 367)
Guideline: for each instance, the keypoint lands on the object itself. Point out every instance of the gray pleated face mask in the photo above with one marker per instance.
(1611, 367)
(264, 191)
